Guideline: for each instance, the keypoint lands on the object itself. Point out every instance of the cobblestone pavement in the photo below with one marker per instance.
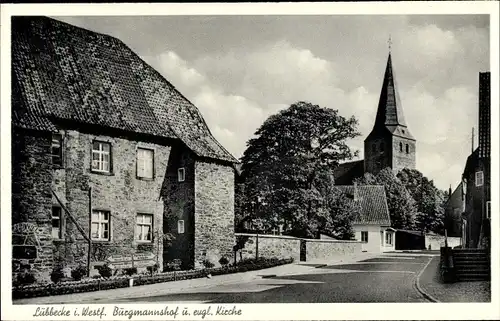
(478, 291)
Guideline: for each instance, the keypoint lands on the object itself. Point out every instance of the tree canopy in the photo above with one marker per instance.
(287, 171)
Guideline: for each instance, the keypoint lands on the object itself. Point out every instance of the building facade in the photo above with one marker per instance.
(372, 224)
(107, 153)
(476, 177)
(390, 143)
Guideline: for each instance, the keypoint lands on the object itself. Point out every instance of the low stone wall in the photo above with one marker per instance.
(281, 246)
(330, 249)
(270, 246)
(437, 241)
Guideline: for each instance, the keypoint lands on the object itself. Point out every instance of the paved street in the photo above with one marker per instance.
(381, 278)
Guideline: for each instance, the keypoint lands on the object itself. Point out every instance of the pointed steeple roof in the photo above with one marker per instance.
(389, 110)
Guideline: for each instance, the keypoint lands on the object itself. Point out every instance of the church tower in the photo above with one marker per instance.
(390, 143)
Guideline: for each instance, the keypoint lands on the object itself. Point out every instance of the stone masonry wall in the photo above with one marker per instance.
(121, 193)
(377, 160)
(179, 205)
(214, 212)
(280, 246)
(330, 249)
(31, 200)
(271, 246)
(400, 159)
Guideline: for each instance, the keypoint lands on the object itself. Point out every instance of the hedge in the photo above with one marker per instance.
(89, 285)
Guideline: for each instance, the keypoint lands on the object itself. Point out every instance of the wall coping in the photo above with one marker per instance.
(296, 238)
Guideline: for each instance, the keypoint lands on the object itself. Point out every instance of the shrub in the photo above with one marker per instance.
(79, 272)
(26, 278)
(130, 271)
(57, 274)
(105, 271)
(207, 264)
(223, 261)
(153, 269)
(174, 265)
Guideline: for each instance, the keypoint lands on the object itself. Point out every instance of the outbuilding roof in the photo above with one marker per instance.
(372, 203)
(64, 73)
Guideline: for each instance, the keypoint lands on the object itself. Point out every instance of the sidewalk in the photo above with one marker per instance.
(479, 291)
(179, 286)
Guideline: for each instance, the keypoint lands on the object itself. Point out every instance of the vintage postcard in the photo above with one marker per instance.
(309, 161)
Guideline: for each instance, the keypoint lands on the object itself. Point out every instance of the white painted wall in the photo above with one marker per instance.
(376, 238)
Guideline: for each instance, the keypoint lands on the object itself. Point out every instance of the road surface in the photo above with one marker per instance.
(385, 278)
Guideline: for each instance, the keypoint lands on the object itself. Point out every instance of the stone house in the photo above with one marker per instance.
(105, 149)
(476, 177)
(372, 225)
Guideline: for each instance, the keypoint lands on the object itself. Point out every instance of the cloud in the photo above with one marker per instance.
(237, 89)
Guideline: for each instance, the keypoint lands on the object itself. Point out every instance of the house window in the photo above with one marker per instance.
(57, 149)
(56, 222)
(180, 226)
(144, 228)
(101, 157)
(100, 225)
(364, 236)
(479, 178)
(401, 147)
(407, 149)
(145, 163)
(181, 174)
(488, 209)
(388, 238)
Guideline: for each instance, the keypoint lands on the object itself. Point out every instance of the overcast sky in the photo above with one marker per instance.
(238, 70)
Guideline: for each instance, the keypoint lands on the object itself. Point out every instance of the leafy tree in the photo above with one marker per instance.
(285, 166)
(401, 205)
(429, 200)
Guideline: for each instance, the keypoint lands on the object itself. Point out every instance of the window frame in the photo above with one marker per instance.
(99, 222)
(179, 224)
(481, 173)
(364, 239)
(100, 152)
(137, 174)
(390, 237)
(181, 178)
(60, 218)
(60, 154)
(142, 224)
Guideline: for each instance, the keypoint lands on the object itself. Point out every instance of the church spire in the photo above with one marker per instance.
(390, 111)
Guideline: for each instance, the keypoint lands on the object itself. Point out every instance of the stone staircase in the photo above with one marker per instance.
(471, 264)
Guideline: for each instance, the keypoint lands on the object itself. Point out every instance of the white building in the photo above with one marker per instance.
(372, 224)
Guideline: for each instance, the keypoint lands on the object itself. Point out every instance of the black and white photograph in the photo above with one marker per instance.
(181, 165)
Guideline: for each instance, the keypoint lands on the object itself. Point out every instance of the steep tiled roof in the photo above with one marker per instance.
(371, 201)
(345, 173)
(390, 111)
(61, 72)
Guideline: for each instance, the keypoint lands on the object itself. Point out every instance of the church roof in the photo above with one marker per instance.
(372, 202)
(390, 111)
(345, 173)
(64, 73)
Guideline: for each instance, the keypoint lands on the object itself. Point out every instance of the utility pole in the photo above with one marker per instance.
(472, 146)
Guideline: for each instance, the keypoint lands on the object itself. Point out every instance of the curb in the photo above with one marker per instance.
(419, 287)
